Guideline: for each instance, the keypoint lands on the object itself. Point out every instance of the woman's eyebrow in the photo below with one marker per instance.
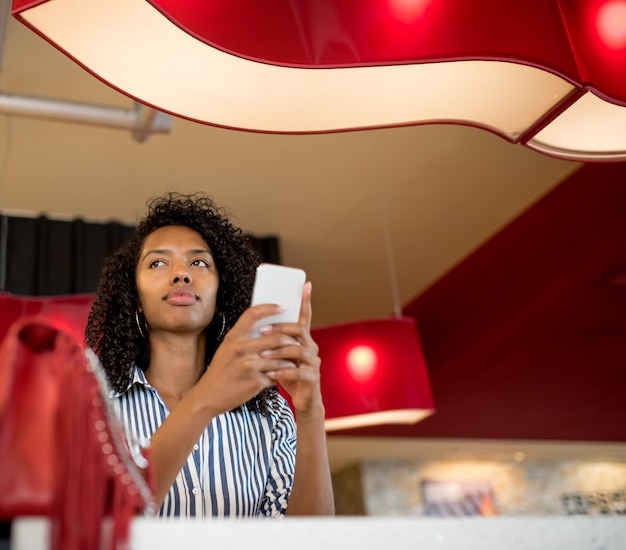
(156, 251)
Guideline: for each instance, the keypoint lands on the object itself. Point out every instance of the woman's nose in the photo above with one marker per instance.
(181, 276)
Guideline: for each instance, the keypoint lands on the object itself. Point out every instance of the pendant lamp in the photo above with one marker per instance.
(549, 74)
(373, 372)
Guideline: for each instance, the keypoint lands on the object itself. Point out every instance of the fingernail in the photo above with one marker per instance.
(265, 329)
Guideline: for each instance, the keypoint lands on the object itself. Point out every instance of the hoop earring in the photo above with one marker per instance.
(139, 327)
(223, 326)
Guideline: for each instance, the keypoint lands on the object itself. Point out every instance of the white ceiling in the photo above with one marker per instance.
(363, 213)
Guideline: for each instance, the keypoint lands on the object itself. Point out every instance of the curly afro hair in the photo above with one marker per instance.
(111, 327)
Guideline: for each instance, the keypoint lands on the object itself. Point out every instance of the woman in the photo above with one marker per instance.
(170, 324)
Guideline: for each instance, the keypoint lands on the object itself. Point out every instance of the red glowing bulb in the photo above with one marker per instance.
(361, 361)
(611, 21)
(408, 10)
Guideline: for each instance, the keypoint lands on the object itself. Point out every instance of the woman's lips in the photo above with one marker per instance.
(181, 297)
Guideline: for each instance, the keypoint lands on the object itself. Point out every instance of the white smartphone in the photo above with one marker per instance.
(278, 284)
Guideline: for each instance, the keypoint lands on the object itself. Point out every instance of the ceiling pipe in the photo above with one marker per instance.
(142, 121)
(5, 11)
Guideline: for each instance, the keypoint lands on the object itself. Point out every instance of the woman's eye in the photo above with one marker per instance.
(156, 263)
(201, 263)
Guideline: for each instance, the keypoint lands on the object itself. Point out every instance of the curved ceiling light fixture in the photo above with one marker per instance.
(550, 74)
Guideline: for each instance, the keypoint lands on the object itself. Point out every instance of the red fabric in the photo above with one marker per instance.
(61, 453)
(68, 313)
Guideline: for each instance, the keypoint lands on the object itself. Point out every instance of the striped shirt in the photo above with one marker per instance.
(242, 465)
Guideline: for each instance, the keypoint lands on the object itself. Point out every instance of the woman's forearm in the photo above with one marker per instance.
(312, 492)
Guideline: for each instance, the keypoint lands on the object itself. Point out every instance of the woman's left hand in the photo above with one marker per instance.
(303, 382)
(312, 491)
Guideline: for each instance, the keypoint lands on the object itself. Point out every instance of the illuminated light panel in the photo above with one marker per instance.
(263, 97)
(397, 416)
(590, 125)
(452, 63)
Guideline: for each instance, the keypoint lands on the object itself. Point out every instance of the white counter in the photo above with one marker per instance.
(362, 533)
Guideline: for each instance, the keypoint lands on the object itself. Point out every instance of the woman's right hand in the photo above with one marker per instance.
(238, 372)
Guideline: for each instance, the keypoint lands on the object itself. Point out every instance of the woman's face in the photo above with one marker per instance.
(177, 280)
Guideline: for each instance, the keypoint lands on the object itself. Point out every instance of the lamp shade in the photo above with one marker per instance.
(549, 74)
(373, 372)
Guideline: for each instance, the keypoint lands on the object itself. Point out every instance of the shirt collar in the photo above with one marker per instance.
(137, 377)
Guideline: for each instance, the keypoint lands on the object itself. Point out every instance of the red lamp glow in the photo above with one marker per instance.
(373, 372)
(408, 10)
(361, 362)
(532, 71)
(611, 23)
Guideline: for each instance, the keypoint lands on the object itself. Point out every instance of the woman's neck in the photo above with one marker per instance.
(176, 363)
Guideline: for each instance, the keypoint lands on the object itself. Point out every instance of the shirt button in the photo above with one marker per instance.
(195, 490)
(196, 447)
